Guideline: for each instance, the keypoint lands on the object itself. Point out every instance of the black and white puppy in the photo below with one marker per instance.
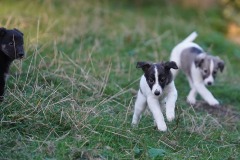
(156, 85)
(11, 48)
(200, 68)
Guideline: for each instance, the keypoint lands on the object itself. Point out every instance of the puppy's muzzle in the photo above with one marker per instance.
(21, 55)
(157, 93)
(209, 83)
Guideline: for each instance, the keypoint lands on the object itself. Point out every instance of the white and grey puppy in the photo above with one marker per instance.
(200, 68)
(156, 85)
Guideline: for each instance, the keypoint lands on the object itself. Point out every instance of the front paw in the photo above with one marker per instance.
(191, 100)
(134, 125)
(162, 127)
(170, 115)
(213, 102)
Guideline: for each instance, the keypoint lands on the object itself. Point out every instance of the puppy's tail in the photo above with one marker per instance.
(177, 50)
(191, 37)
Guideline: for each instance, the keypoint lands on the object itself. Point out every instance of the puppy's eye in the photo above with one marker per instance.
(11, 43)
(214, 72)
(205, 71)
(151, 80)
(162, 79)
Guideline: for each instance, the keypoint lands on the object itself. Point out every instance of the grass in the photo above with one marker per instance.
(72, 96)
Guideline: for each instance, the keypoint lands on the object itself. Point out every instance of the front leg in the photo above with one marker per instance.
(206, 94)
(2, 87)
(140, 106)
(191, 98)
(154, 107)
(171, 100)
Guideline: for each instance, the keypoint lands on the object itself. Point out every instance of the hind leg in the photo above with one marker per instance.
(174, 72)
(175, 56)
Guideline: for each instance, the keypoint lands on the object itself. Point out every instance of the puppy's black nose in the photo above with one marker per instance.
(209, 83)
(21, 55)
(157, 93)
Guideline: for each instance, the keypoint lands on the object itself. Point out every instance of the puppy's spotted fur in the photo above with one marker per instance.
(156, 89)
(200, 68)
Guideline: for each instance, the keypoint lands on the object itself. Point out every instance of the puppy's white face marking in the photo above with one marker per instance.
(156, 89)
(210, 80)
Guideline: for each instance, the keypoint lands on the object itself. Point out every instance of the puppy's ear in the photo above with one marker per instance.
(2, 31)
(18, 31)
(220, 65)
(199, 59)
(171, 64)
(144, 65)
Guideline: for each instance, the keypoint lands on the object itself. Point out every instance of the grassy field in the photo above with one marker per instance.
(72, 96)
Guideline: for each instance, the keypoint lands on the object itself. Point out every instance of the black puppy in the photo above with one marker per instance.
(11, 48)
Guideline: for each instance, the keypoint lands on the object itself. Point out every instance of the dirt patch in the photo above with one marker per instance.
(226, 112)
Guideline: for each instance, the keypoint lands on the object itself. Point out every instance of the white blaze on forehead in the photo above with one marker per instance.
(211, 66)
(156, 86)
(210, 77)
(156, 75)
